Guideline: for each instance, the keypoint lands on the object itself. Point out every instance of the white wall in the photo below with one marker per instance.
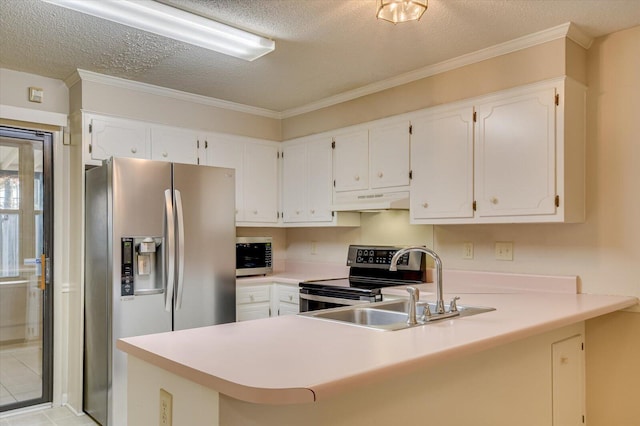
(14, 91)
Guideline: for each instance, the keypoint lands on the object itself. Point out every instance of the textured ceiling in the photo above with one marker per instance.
(323, 47)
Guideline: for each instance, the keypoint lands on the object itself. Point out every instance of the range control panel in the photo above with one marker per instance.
(380, 257)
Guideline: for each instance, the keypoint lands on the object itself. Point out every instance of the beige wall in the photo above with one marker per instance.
(140, 105)
(525, 66)
(14, 91)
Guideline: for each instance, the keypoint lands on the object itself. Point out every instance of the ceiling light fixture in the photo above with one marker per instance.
(401, 10)
(166, 21)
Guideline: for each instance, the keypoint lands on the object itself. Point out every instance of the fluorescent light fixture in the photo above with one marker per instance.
(166, 21)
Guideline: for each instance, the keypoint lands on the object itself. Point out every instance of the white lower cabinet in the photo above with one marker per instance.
(253, 302)
(266, 300)
(286, 299)
(568, 381)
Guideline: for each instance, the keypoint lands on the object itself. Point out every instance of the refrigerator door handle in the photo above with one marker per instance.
(169, 234)
(180, 251)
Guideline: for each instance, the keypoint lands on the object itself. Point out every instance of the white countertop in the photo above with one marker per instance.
(296, 359)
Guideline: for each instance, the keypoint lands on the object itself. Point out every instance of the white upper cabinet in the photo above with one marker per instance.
(351, 161)
(525, 158)
(389, 162)
(261, 182)
(222, 151)
(442, 166)
(256, 165)
(306, 181)
(117, 137)
(516, 154)
(174, 144)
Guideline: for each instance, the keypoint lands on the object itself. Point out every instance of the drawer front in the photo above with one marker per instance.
(288, 294)
(252, 294)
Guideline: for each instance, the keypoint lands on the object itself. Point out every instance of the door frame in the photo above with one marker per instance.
(46, 138)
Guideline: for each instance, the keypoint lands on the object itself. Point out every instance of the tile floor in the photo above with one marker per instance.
(20, 372)
(59, 416)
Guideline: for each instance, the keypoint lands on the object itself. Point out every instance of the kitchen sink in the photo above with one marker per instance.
(387, 316)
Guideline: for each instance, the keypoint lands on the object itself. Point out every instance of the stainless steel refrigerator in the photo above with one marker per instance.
(159, 256)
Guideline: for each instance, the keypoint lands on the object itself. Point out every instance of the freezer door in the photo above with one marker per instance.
(205, 214)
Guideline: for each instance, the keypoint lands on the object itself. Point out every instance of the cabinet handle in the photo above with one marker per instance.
(380, 175)
(236, 211)
(356, 177)
(425, 205)
(297, 211)
(493, 200)
(164, 154)
(313, 211)
(255, 212)
(134, 150)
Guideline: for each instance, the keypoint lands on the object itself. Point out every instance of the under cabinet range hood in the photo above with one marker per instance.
(373, 201)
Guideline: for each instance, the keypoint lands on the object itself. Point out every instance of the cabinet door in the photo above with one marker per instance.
(261, 182)
(294, 183)
(114, 137)
(253, 311)
(515, 159)
(319, 180)
(227, 152)
(175, 145)
(442, 165)
(568, 381)
(351, 161)
(389, 145)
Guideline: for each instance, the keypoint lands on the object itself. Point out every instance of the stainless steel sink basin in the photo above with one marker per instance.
(389, 315)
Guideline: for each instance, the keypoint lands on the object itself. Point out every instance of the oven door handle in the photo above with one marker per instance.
(335, 300)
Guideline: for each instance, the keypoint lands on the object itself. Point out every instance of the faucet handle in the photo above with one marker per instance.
(453, 306)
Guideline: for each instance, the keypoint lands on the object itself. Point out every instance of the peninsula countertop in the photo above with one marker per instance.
(296, 359)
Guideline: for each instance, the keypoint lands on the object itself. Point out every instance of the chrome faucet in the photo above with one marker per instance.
(438, 262)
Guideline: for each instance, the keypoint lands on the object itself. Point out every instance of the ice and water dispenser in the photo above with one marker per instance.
(142, 266)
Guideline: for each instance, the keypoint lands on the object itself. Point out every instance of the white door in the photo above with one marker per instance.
(442, 165)
(175, 145)
(389, 145)
(261, 182)
(227, 152)
(515, 158)
(319, 180)
(114, 137)
(351, 161)
(294, 183)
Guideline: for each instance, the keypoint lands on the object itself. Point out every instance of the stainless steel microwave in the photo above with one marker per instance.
(253, 256)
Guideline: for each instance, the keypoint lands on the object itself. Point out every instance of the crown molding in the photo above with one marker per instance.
(561, 31)
(84, 75)
(566, 30)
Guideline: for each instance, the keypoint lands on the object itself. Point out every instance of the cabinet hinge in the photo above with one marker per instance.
(333, 144)
(334, 183)
(583, 418)
(582, 346)
(198, 143)
(90, 148)
(90, 128)
(198, 161)
(333, 214)
(206, 144)
(282, 154)
(557, 201)
(474, 206)
(410, 129)
(410, 174)
(475, 116)
(557, 99)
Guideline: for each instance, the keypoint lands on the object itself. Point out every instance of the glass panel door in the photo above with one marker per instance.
(25, 259)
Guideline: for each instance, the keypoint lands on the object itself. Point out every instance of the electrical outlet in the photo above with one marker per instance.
(467, 250)
(166, 408)
(504, 250)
